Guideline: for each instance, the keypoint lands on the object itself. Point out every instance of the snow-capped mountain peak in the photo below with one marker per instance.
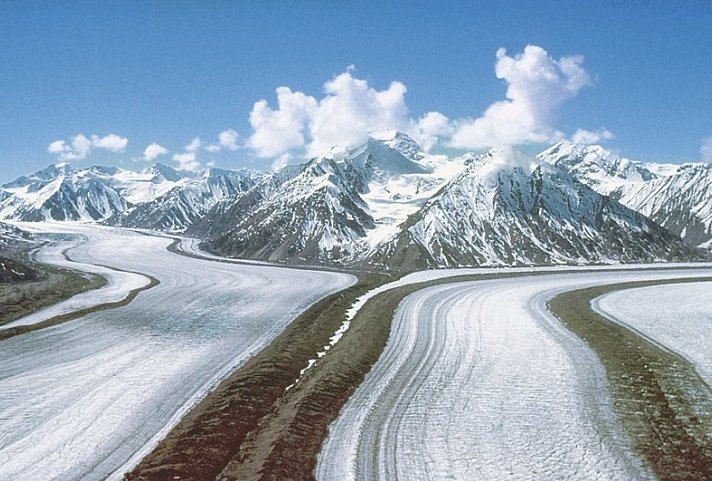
(164, 172)
(509, 208)
(491, 165)
(602, 170)
(388, 202)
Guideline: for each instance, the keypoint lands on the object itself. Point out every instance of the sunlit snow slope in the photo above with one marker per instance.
(86, 399)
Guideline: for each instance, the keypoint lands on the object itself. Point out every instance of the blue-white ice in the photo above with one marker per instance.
(88, 398)
(479, 381)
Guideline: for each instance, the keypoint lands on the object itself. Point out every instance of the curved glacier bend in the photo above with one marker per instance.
(478, 379)
(88, 398)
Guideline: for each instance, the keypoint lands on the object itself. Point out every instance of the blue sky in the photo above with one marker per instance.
(168, 72)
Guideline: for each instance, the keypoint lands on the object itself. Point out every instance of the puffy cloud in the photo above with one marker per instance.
(430, 128)
(582, 136)
(187, 161)
(194, 145)
(277, 131)
(281, 162)
(111, 142)
(57, 147)
(706, 150)
(153, 151)
(80, 146)
(537, 85)
(351, 109)
(228, 139)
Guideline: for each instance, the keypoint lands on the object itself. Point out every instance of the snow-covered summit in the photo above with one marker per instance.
(676, 196)
(507, 208)
(391, 203)
(97, 193)
(680, 202)
(602, 170)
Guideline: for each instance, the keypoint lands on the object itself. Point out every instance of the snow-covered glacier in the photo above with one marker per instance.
(88, 398)
(479, 381)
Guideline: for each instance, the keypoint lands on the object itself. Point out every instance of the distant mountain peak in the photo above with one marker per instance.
(599, 168)
(165, 171)
(397, 140)
(502, 159)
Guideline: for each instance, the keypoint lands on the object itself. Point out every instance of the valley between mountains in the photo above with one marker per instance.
(378, 312)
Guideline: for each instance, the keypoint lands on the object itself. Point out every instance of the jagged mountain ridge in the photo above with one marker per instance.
(186, 203)
(507, 208)
(535, 213)
(159, 197)
(678, 198)
(336, 208)
(11, 270)
(314, 215)
(385, 203)
(681, 202)
(60, 193)
(598, 168)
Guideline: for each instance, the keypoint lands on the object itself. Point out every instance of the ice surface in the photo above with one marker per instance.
(677, 316)
(479, 381)
(118, 285)
(88, 398)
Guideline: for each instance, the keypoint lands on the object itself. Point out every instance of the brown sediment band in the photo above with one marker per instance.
(662, 403)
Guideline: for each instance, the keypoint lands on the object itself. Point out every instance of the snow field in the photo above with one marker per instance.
(676, 316)
(479, 381)
(87, 399)
(117, 287)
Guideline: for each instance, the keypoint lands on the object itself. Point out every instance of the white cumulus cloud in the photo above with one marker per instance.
(187, 161)
(582, 136)
(281, 162)
(194, 145)
(537, 85)
(430, 129)
(153, 151)
(351, 109)
(345, 115)
(277, 131)
(227, 140)
(57, 147)
(111, 142)
(706, 150)
(80, 146)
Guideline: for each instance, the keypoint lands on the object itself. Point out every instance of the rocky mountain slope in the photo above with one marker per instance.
(598, 168)
(678, 198)
(389, 204)
(186, 202)
(681, 202)
(507, 208)
(13, 240)
(334, 208)
(159, 197)
(60, 193)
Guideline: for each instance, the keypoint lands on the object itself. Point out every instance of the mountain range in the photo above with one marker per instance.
(388, 204)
